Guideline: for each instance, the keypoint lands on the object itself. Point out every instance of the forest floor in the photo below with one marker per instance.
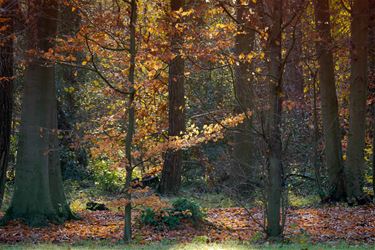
(329, 224)
(183, 246)
(308, 226)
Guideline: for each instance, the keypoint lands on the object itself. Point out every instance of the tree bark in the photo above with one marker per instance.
(274, 194)
(293, 78)
(39, 196)
(6, 89)
(171, 174)
(244, 45)
(372, 83)
(357, 101)
(330, 117)
(131, 123)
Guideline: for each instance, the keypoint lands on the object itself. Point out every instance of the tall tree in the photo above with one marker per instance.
(39, 196)
(293, 79)
(244, 45)
(6, 87)
(275, 168)
(171, 174)
(130, 121)
(331, 126)
(357, 100)
(372, 81)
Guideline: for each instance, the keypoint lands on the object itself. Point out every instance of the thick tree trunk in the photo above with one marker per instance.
(357, 101)
(244, 45)
(39, 197)
(274, 192)
(131, 123)
(6, 89)
(331, 125)
(171, 175)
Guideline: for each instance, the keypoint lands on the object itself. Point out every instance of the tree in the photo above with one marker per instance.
(131, 121)
(357, 100)
(330, 117)
(6, 88)
(372, 81)
(171, 174)
(39, 196)
(294, 79)
(243, 86)
(275, 168)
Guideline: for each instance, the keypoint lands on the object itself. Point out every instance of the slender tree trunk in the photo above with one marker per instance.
(244, 45)
(357, 101)
(330, 117)
(39, 196)
(372, 82)
(171, 175)
(293, 79)
(6, 89)
(274, 194)
(131, 122)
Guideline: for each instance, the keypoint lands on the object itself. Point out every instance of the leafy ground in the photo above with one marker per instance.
(352, 225)
(189, 246)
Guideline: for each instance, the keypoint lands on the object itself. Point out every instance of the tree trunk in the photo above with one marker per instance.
(244, 45)
(357, 101)
(6, 90)
(330, 117)
(131, 122)
(274, 194)
(171, 175)
(293, 79)
(318, 179)
(39, 197)
(372, 83)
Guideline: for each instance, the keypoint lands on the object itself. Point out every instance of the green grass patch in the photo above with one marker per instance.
(300, 201)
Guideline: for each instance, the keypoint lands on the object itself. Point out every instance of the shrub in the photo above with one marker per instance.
(148, 217)
(171, 217)
(107, 178)
(171, 221)
(188, 209)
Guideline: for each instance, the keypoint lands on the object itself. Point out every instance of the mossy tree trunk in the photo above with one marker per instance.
(330, 116)
(171, 174)
(6, 89)
(39, 196)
